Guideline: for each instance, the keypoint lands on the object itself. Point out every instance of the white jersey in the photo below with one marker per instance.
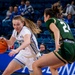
(32, 49)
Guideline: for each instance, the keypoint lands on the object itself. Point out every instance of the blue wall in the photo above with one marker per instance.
(68, 69)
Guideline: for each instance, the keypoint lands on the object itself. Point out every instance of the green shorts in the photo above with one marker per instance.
(67, 52)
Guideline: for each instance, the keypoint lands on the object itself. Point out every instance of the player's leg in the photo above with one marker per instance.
(54, 68)
(16, 64)
(54, 71)
(29, 63)
(32, 73)
(46, 60)
(12, 67)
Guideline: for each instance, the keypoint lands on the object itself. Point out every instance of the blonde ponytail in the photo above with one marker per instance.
(31, 25)
(35, 29)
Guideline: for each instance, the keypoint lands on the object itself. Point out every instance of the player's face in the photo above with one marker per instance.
(45, 17)
(17, 25)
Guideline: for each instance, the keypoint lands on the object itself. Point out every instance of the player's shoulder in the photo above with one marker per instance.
(25, 28)
(51, 20)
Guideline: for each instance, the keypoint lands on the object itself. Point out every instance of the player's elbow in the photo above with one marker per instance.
(29, 42)
(34, 65)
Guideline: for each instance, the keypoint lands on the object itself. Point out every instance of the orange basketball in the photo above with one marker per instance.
(3, 46)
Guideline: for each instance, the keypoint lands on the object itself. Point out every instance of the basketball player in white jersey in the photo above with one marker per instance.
(23, 33)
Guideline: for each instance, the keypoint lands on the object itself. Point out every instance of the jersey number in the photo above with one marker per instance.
(65, 26)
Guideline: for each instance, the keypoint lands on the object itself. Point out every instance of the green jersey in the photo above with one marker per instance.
(63, 27)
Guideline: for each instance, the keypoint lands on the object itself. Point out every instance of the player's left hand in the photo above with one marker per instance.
(57, 47)
(13, 52)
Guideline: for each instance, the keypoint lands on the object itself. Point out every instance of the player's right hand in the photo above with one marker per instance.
(2, 38)
(13, 52)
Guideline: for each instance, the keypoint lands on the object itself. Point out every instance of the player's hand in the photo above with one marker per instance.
(2, 38)
(13, 52)
(57, 47)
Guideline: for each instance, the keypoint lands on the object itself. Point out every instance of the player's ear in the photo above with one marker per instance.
(48, 16)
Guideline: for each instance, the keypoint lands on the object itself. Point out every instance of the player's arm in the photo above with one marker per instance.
(11, 41)
(26, 42)
(23, 45)
(56, 33)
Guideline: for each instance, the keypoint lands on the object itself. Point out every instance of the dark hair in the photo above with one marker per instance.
(50, 12)
(43, 45)
(28, 1)
(23, 1)
(39, 20)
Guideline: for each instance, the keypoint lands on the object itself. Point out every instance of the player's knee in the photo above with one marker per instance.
(36, 65)
(53, 68)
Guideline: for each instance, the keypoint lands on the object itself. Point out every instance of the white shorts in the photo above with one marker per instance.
(24, 61)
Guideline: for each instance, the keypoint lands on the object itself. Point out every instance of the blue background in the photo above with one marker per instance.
(68, 69)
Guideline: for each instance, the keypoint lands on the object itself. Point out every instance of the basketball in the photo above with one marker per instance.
(3, 46)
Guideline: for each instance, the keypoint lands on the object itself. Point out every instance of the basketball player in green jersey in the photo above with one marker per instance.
(64, 52)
